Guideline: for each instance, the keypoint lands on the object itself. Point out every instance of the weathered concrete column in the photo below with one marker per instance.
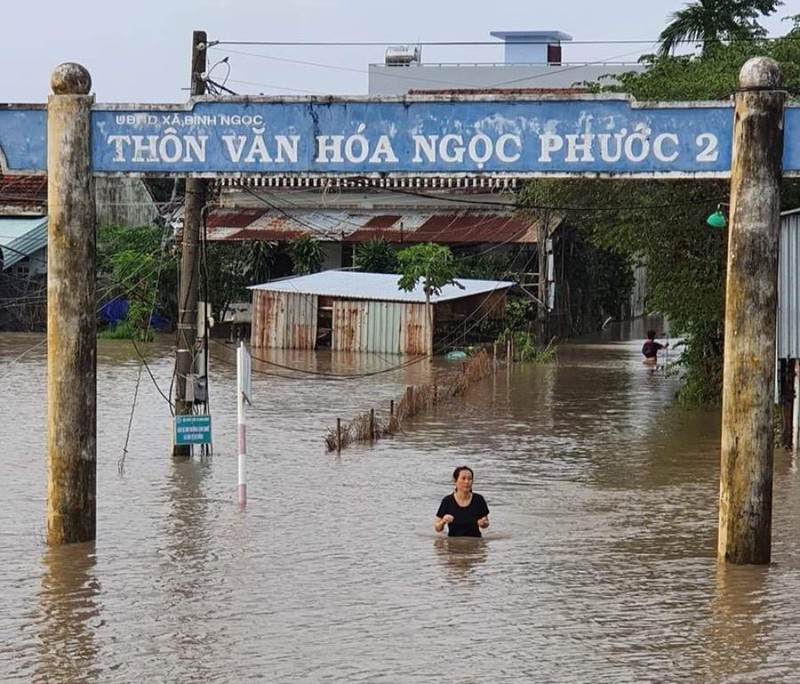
(71, 318)
(745, 510)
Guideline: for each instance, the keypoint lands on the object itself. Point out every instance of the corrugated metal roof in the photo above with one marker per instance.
(21, 237)
(375, 286)
(23, 192)
(446, 227)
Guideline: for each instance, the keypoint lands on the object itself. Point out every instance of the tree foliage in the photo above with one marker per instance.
(662, 223)
(231, 267)
(376, 256)
(432, 264)
(495, 266)
(709, 22)
(307, 255)
(137, 265)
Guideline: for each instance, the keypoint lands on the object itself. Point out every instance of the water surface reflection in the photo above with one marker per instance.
(460, 555)
(599, 564)
(70, 616)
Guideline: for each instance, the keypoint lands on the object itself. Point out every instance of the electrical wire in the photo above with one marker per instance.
(632, 207)
(142, 364)
(417, 78)
(460, 43)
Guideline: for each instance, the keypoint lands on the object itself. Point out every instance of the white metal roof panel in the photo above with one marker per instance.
(376, 286)
(21, 237)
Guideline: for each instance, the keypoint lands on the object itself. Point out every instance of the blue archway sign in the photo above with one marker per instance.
(413, 136)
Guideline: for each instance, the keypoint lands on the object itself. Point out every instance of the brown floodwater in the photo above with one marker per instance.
(599, 564)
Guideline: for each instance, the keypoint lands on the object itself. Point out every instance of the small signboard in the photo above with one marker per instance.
(193, 429)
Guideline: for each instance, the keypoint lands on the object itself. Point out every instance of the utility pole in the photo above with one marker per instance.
(71, 318)
(190, 266)
(542, 289)
(745, 502)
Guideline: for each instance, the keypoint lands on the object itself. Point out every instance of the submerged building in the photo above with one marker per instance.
(368, 312)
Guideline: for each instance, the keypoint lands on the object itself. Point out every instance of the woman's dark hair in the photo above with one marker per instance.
(651, 334)
(458, 470)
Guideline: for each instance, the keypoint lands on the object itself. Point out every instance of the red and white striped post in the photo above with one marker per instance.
(242, 396)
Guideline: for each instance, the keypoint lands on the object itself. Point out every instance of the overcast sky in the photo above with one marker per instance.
(139, 52)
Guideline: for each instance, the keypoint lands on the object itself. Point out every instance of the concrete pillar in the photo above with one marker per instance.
(71, 311)
(745, 510)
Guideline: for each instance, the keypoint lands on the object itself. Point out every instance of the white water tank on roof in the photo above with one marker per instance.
(403, 55)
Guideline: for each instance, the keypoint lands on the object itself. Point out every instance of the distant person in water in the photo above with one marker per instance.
(650, 348)
(464, 512)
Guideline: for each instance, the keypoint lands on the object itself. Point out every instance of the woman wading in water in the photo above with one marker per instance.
(464, 512)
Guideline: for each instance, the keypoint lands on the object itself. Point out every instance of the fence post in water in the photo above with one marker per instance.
(372, 425)
(391, 408)
(71, 316)
(338, 435)
(745, 503)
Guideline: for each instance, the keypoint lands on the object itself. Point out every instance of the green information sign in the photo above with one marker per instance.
(193, 429)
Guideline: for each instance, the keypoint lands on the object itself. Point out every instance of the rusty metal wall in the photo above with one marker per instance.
(382, 327)
(415, 329)
(284, 320)
(788, 332)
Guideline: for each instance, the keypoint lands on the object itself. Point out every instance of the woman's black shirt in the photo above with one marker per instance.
(465, 518)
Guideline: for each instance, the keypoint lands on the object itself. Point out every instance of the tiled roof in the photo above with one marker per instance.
(28, 193)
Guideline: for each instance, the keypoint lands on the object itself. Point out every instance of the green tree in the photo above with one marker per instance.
(431, 264)
(494, 266)
(376, 256)
(307, 255)
(224, 276)
(662, 223)
(259, 258)
(709, 22)
(137, 265)
(229, 268)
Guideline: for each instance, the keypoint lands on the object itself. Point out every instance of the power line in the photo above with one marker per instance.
(471, 43)
(641, 207)
(417, 78)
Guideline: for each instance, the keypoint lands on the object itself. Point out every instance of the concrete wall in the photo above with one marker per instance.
(124, 202)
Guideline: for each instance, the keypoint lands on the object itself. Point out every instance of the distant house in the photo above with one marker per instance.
(23, 272)
(23, 245)
(367, 312)
(532, 60)
(122, 202)
(272, 210)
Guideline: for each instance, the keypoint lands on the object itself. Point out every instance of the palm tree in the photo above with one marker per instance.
(712, 21)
